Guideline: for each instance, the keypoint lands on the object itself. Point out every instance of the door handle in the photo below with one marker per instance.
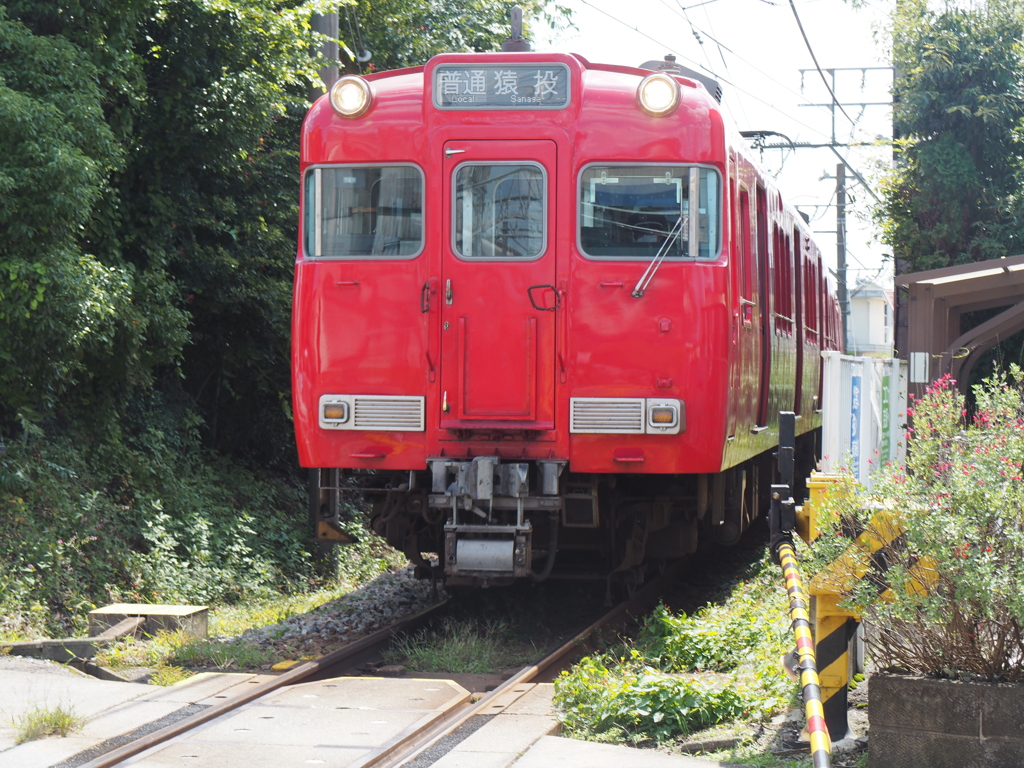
(448, 292)
(558, 298)
(428, 290)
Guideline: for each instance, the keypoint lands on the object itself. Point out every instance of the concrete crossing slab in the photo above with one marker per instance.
(331, 723)
(569, 753)
(338, 723)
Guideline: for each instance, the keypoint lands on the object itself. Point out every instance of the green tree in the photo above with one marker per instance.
(404, 33)
(180, 156)
(148, 226)
(959, 109)
(60, 305)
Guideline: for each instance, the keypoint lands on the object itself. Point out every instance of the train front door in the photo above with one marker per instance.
(498, 295)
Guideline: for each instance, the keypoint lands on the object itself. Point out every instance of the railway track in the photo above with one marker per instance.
(408, 745)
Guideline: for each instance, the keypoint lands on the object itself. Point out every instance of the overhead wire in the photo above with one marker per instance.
(695, 34)
(835, 101)
(722, 46)
(698, 5)
(831, 93)
(354, 39)
(725, 80)
(721, 55)
(728, 81)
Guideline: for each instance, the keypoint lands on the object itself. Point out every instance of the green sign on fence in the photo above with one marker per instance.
(886, 449)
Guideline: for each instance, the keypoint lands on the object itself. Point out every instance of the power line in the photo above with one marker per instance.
(683, 56)
(817, 65)
(721, 54)
(722, 46)
(832, 145)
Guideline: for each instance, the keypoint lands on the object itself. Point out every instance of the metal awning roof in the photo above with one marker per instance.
(937, 300)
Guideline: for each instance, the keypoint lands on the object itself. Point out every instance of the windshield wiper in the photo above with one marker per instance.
(648, 275)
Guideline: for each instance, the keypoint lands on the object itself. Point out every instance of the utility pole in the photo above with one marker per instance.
(901, 298)
(844, 295)
(842, 167)
(326, 24)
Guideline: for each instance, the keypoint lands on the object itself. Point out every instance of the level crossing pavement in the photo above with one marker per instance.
(340, 723)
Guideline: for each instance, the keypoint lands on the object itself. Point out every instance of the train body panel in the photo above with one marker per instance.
(509, 303)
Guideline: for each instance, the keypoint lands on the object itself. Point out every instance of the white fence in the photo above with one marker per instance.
(864, 414)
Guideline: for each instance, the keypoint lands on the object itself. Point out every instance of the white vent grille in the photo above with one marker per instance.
(607, 415)
(392, 414)
(376, 413)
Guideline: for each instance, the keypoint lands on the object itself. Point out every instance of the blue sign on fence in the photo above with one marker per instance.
(855, 398)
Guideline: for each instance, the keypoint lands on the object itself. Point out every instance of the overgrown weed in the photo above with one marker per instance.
(167, 675)
(460, 646)
(149, 521)
(686, 673)
(39, 722)
(141, 522)
(181, 649)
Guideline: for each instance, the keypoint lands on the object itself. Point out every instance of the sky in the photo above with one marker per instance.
(755, 49)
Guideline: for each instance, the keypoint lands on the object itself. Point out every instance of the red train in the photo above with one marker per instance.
(554, 307)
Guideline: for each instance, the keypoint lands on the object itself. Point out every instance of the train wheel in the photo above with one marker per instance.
(738, 500)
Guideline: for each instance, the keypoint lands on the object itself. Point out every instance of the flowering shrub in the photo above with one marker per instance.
(944, 597)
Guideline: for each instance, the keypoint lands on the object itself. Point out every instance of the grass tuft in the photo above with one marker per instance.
(461, 646)
(167, 675)
(180, 649)
(46, 721)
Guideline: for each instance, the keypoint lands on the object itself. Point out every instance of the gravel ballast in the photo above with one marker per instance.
(383, 601)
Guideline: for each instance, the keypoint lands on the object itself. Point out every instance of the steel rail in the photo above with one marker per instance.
(292, 676)
(403, 747)
(408, 748)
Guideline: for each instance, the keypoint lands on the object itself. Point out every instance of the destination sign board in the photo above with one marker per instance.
(502, 86)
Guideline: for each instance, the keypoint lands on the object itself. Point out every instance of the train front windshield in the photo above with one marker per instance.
(633, 210)
(499, 211)
(364, 211)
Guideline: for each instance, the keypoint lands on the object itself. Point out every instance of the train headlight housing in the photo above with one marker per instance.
(658, 94)
(334, 412)
(351, 96)
(664, 416)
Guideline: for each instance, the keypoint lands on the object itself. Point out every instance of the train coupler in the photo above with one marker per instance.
(487, 551)
(488, 535)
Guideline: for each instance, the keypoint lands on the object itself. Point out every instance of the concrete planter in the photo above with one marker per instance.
(922, 721)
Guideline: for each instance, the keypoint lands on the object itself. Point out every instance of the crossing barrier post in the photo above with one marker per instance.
(782, 521)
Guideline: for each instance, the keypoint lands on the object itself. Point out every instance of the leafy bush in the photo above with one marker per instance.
(687, 672)
(164, 528)
(717, 638)
(630, 699)
(951, 601)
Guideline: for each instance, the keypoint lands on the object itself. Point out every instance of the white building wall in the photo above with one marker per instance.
(871, 321)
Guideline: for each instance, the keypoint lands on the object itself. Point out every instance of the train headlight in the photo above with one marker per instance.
(334, 412)
(664, 416)
(658, 94)
(351, 96)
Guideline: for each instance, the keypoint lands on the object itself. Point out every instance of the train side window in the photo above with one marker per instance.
(363, 211)
(783, 284)
(747, 267)
(639, 211)
(811, 297)
(499, 211)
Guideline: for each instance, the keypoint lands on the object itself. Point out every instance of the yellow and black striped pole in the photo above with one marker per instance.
(821, 745)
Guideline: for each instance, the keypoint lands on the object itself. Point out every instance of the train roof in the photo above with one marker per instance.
(686, 77)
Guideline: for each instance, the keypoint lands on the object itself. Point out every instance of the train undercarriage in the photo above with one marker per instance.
(487, 522)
